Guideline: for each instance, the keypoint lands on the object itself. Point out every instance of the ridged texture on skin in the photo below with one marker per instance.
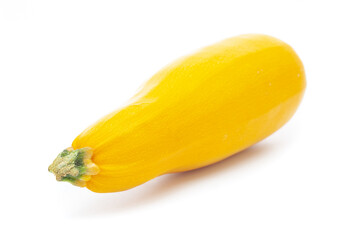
(196, 111)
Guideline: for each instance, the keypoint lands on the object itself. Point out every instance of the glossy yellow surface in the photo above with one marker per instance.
(196, 111)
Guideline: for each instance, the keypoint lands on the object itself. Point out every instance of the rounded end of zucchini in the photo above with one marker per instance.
(74, 166)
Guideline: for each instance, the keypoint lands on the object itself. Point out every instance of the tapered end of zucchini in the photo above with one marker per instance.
(74, 166)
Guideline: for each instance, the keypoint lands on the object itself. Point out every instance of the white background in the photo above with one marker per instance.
(64, 64)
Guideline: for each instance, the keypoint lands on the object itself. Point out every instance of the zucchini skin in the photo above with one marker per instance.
(196, 111)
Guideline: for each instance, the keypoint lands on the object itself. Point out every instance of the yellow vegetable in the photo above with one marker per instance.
(194, 112)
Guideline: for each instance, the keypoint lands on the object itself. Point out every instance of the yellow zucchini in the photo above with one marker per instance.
(194, 112)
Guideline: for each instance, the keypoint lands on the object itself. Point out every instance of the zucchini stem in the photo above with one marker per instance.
(74, 166)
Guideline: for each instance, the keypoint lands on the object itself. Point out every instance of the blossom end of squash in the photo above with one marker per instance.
(74, 166)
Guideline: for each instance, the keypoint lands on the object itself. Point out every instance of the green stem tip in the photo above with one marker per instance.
(74, 166)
